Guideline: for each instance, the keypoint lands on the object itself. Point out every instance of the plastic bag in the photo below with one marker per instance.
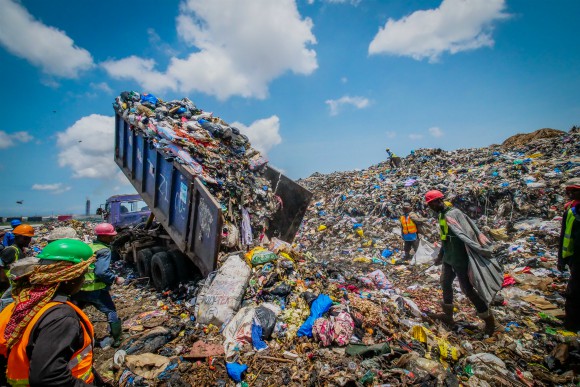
(426, 253)
(235, 371)
(267, 318)
(318, 308)
(379, 279)
(222, 297)
(259, 256)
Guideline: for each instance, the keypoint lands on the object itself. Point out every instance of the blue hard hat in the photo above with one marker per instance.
(15, 222)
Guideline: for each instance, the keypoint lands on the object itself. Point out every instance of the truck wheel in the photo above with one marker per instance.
(157, 249)
(163, 271)
(180, 262)
(144, 257)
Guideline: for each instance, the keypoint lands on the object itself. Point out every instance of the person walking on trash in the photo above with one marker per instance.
(45, 340)
(569, 255)
(410, 227)
(98, 281)
(462, 244)
(9, 237)
(392, 158)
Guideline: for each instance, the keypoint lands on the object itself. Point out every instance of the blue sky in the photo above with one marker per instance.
(319, 85)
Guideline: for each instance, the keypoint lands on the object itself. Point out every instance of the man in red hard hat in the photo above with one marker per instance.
(461, 238)
(569, 254)
(98, 281)
(573, 191)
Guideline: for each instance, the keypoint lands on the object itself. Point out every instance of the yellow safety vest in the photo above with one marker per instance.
(91, 283)
(16, 258)
(443, 227)
(409, 228)
(568, 242)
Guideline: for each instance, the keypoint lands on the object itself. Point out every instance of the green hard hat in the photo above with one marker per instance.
(70, 250)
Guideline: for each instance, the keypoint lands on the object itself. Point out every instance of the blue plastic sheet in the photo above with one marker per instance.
(386, 253)
(257, 341)
(235, 371)
(318, 308)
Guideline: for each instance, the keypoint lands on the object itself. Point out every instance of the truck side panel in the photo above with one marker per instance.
(181, 203)
(207, 228)
(139, 162)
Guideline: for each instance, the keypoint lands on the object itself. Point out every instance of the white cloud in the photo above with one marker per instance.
(56, 188)
(415, 136)
(391, 134)
(10, 139)
(102, 86)
(344, 80)
(457, 25)
(41, 45)
(238, 52)
(435, 131)
(336, 104)
(264, 134)
(87, 147)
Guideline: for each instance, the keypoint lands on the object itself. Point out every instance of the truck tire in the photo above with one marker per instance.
(144, 257)
(163, 271)
(157, 249)
(179, 260)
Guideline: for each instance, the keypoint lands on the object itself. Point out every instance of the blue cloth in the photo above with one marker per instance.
(235, 371)
(318, 308)
(8, 239)
(257, 341)
(103, 270)
(100, 299)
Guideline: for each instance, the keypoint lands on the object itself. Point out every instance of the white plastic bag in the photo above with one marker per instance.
(221, 298)
(426, 253)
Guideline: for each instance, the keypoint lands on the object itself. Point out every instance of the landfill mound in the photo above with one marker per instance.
(524, 138)
(337, 308)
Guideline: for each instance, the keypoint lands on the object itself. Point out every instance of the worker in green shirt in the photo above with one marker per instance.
(455, 259)
(569, 255)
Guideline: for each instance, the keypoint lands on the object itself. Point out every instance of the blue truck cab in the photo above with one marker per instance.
(125, 210)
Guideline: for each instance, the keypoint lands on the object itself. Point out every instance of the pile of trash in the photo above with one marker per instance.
(208, 148)
(337, 308)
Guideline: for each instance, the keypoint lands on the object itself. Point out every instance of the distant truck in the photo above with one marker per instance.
(187, 233)
(124, 211)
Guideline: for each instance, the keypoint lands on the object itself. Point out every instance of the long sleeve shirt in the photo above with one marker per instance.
(103, 270)
(8, 239)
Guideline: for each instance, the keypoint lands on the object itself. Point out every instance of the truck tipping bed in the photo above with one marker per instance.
(185, 207)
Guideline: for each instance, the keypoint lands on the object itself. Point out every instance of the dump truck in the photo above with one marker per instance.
(182, 237)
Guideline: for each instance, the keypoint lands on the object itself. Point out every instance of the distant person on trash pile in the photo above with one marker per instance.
(8, 239)
(45, 340)
(410, 227)
(394, 160)
(23, 234)
(98, 281)
(569, 255)
(454, 230)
